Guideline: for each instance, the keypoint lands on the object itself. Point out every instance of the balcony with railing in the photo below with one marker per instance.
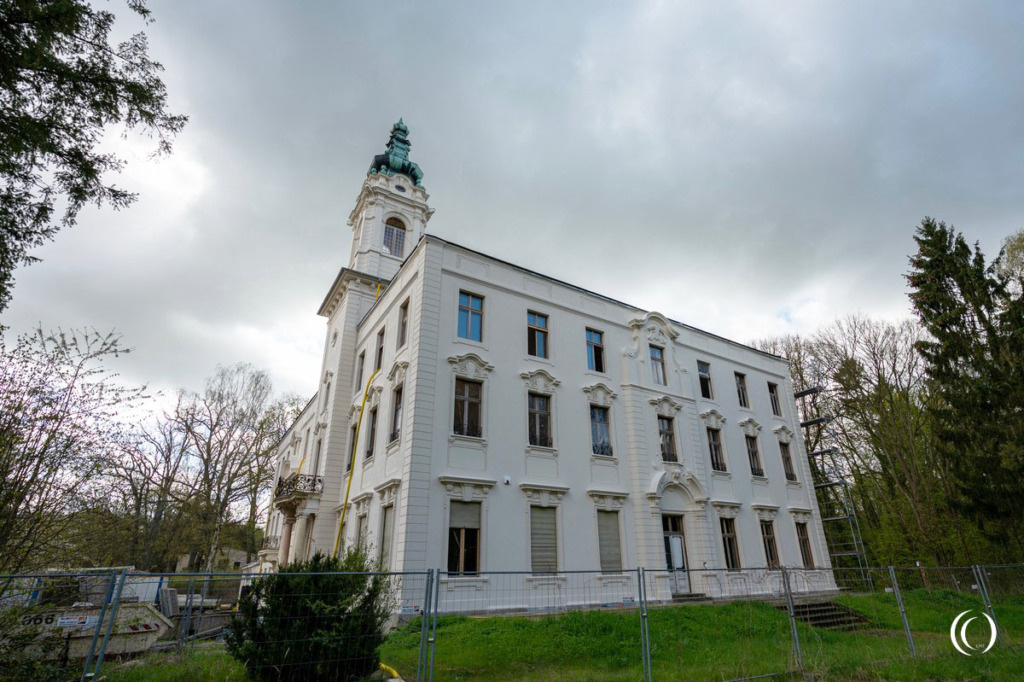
(298, 486)
(271, 543)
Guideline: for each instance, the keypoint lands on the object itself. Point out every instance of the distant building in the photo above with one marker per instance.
(515, 422)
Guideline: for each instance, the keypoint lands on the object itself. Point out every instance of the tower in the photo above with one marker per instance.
(391, 212)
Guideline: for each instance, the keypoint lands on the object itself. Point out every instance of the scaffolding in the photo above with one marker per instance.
(835, 502)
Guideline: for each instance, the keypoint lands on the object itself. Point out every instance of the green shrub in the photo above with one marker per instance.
(320, 619)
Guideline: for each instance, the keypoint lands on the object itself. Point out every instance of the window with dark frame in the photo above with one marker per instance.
(543, 540)
(396, 416)
(730, 545)
(361, 530)
(464, 537)
(595, 350)
(773, 395)
(715, 448)
(360, 362)
(539, 429)
(754, 455)
(471, 316)
(353, 432)
(804, 541)
(371, 440)
(378, 361)
(787, 461)
(600, 435)
(704, 374)
(403, 323)
(771, 551)
(741, 389)
(394, 237)
(386, 533)
(468, 401)
(658, 365)
(537, 334)
(666, 434)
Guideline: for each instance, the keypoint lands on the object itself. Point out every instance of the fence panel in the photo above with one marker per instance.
(933, 597)
(1006, 592)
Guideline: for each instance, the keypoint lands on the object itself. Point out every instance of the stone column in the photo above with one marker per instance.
(286, 538)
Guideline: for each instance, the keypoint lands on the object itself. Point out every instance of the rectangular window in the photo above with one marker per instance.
(394, 237)
(471, 316)
(805, 545)
(773, 395)
(540, 420)
(403, 324)
(787, 462)
(360, 362)
(771, 552)
(600, 437)
(371, 440)
(315, 469)
(668, 440)
(658, 365)
(361, 530)
(464, 537)
(704, 373)
(386, 531)
(754, 456)
(379, 359)
(715, 447)
(741, 389)
(396, 416)
(351, 448)
(467, 408)
(732, 550)
(543, 540)
(608, 541)
(595, 350)
(537, 334)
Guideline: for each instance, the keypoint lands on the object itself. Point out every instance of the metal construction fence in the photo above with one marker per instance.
(426, 625)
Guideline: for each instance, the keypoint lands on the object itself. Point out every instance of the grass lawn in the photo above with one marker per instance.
(692, 642)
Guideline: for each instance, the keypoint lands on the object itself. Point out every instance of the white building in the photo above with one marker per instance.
(515, 422)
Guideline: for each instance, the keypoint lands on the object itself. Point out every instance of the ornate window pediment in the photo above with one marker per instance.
(373, 397)
(783, 434)
(599, 395)
(713, 419)
(328, 375)
(353, 413)
(361, 503)
(750, 427)
(542, 495)
(665, 406)
(540, 381)
(800, 514)
(470, 366)
(387, 491)
(608, 500)
(320, 425)
(655, 327)
(397, 374)
(466, 489)
(726, 509)
(765, 512)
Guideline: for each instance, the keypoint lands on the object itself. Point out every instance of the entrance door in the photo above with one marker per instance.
(675, 552)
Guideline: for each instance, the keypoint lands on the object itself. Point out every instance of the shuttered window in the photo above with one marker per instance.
(464, 537)
(543, 540)
(387, 525)
(608, 541)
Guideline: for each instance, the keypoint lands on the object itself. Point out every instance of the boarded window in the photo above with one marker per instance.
(608, 541)
(386, 531)
(464, 537)
(543, 540)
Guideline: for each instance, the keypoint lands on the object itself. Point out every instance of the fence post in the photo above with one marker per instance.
(645, 635)
(797, 651)
(185, 620)
(979, 574)
(86, 673)
(903, 610)
(433, 625)
(421, 665)
(110, 621)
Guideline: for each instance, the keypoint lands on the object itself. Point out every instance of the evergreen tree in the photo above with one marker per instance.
(975, 367)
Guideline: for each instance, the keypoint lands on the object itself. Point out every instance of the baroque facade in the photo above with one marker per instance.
(483, 417)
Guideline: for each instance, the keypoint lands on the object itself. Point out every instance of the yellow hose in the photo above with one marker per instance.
(390, 671)
(352, 457)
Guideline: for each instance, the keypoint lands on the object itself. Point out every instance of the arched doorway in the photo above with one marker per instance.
(679, 502)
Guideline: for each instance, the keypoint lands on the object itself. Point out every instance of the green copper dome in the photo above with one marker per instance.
(396, 158)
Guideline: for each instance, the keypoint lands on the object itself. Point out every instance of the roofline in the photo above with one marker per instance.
(615, 301)
(337, 281)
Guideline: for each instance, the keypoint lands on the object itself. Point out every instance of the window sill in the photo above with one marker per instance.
(536, 358)
(604, 459)
(541, 579)
(470, 342)
(595, 373)
(457, 580)
(615, 578)
(793, 484)
(541, 450)
(368, 462)
(762, 480)
(721, 474)
(392, 446)
(471, 441)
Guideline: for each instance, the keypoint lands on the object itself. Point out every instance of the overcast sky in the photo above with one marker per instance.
(752, 169)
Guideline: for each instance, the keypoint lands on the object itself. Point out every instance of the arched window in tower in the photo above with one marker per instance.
(394, 237)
